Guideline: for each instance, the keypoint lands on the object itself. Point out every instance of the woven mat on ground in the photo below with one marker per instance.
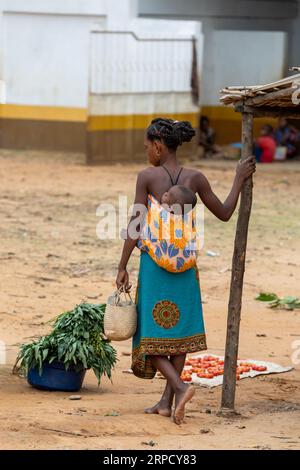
(272, 368)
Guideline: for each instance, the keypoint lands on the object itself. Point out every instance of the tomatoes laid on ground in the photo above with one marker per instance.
(208, 367)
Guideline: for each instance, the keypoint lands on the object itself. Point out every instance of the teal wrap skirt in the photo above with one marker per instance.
(170, 319)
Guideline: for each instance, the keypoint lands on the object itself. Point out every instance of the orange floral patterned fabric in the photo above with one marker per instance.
(169, 239)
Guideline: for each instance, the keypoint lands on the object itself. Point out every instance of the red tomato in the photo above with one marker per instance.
(187, 379)
(209, 376)
(208, 366)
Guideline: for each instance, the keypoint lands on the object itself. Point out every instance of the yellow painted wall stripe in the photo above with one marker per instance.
(135, 121)
(94, 123)
(225, 121)
(223, 113)
(43, 113)
(220, 113)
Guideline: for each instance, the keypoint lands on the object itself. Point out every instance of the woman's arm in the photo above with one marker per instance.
(225, 210)
(141, 195)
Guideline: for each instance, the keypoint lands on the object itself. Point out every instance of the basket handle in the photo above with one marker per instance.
(119, 292)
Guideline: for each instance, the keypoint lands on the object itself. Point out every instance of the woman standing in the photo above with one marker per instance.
(170, 322)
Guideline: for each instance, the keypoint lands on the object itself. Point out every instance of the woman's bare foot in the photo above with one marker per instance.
(182, 397)
(160, 409)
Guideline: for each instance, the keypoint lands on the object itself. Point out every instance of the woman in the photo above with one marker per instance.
(170, 322)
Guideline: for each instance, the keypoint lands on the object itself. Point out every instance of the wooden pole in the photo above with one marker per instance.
(237, 275)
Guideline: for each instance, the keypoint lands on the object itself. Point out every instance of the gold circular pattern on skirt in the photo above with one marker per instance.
(166, 314)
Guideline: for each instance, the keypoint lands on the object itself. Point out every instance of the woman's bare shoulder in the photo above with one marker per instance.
(194, 173)
(148, 172)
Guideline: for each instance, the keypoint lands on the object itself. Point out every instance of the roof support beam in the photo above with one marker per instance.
(269, 111)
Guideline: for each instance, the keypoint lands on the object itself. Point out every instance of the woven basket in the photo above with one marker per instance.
(120, 317)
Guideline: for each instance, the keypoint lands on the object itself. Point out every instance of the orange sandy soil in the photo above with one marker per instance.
(51, 260)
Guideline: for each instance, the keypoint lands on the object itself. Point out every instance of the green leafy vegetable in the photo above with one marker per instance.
(265, 297)
(77, 339)
(287, 303)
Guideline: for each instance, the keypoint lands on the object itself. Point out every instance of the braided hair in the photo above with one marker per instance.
(172, 133)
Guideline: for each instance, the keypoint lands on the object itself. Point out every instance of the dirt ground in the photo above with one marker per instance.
(51, 259)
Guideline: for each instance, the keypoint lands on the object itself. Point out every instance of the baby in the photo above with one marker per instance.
(179, 200)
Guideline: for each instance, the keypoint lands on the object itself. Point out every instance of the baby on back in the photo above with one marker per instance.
(179, 200)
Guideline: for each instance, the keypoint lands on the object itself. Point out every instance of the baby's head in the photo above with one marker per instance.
(179, 199)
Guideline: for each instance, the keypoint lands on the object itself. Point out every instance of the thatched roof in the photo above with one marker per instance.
(272, 94)
(275, 98)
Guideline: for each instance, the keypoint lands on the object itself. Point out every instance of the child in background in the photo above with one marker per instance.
(207, 139)
(265, 145)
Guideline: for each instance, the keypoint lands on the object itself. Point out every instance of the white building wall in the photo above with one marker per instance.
(46, 58)
(56, 7)
(45, 51)
(244, 41)
(44, 47)
(147, 72)
(125, 63)
(242, 58)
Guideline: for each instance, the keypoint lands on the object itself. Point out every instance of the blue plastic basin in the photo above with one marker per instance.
(55, 377)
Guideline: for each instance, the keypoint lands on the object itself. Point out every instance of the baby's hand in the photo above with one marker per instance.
(246, 168)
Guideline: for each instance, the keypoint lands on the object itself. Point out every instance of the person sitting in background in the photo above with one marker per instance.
(207, 138)
(287, 136)
(265, 146)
